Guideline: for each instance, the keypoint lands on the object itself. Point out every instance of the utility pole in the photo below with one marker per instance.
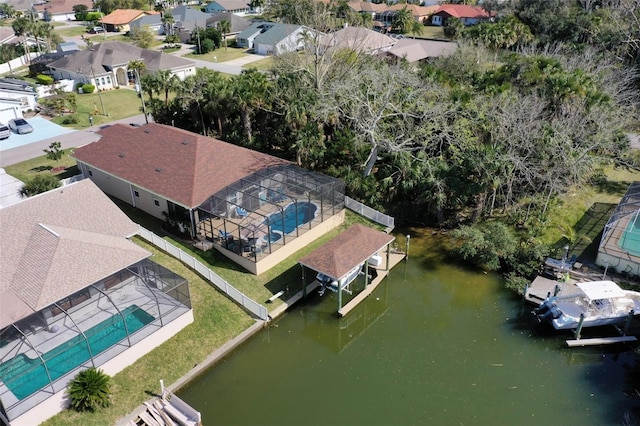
(104, 111)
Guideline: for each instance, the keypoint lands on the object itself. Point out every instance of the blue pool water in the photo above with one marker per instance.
(630, 240)
(293, 218)
(23, 375)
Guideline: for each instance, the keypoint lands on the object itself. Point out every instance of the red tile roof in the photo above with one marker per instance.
(463, 11)
(176, 164)
(346, 251)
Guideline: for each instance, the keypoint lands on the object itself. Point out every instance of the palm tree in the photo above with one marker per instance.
(402, 20)
(224, 27)
(166, 83)
(137, 66)
(168, 21)
(90, 390)
(249, 91)
(416, 28)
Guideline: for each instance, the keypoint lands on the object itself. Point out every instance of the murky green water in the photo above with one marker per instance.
(433, 345)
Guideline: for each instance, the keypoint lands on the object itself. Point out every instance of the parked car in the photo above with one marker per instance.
(96, 30)
(4, 131)
(20, 126)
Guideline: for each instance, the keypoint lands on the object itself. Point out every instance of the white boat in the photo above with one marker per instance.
(601, 303)
(326, 282)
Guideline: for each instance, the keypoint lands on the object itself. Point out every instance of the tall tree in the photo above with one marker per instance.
(250, 90)
(402, 21)
(224, 27)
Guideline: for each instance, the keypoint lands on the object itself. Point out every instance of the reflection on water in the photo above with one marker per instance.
(433, 345)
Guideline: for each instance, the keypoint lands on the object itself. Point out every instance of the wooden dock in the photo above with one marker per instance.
(601, 341)
(394, 259)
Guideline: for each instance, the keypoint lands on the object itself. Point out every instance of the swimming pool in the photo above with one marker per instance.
(23, 375)
(630, 239)
(294, 215)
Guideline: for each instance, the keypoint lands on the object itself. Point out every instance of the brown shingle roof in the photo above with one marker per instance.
(416, 49)
(55, 7)
(346, 251)
(175, 164)
(57, 243)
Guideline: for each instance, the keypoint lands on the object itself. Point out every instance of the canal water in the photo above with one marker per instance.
(434, 345)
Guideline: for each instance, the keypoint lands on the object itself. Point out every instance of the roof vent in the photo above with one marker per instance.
(147, 130)
(184, 142)
(121, 155)
(158, 169)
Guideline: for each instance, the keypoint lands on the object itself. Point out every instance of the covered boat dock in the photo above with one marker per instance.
(360, 249)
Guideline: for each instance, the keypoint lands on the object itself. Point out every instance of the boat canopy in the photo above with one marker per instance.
(595, 290)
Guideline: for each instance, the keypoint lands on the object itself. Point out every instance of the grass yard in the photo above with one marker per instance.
(431, 32)
(217, 320)
(118, 103)
(262, 65)
(71, 31)
(27, 170)
(219, 55)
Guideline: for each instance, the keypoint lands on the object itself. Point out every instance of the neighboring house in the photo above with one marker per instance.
(153, 22)
(280, 38)
(120, 19)
(70, 279)
(469, 15)
(366, 7)
(20, 91)
(105, 65)
(359, 39)
(270, 38)
(10, 108)
(419, 13)
(60, 10)
(23, 6)
(239, 7)
(238, 24)
(416, 50)
(191, 179)
(8, 36)
(186, 20)
(40, 64)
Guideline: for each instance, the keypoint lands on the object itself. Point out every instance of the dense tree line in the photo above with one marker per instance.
(520, 115)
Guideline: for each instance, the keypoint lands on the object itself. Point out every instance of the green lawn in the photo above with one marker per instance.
(219, 55)
(431, 32)
(118, 103)
(27, 170)
(71, 31)
(263, 64)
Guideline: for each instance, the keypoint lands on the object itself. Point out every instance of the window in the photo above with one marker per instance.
(156, 202)
(136, 193)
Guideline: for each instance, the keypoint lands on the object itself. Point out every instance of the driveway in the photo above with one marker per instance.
(42, 129)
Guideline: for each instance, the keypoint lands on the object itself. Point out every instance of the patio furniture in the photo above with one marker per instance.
(224, 235)
(241, 212)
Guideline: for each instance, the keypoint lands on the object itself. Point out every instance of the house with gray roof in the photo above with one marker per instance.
(105, 65)
(153, 22)
(270, 38)
(239, 7)
(76, 292)
(238, 24)
(416, 50)
(186, 20)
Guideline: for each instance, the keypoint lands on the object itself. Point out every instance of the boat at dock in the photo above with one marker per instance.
(328, 283)
(595, 303)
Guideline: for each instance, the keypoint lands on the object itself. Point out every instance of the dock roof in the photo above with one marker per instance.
(346, 251)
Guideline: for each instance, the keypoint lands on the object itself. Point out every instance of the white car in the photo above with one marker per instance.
(20, 126)
(4, 131)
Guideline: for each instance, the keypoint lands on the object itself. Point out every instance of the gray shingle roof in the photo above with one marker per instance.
(276, 34)
(237, 23)
(104, 56)
(59, 242)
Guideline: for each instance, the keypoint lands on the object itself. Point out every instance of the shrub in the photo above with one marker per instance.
(90, 390)
(70, 119)
(88, 88)
(44, 79)
(39, 184)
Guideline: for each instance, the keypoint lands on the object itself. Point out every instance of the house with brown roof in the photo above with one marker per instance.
(469, 15)
(254, 208)
(106, 65)
(119, 19)
(75, 291)
(60, 10)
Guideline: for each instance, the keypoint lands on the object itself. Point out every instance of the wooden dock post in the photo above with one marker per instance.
(407, 246)
(628, 323)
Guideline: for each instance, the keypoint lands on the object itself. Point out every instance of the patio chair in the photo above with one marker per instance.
(224, 235)
(241, 212)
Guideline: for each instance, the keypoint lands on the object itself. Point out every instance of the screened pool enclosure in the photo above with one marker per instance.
(39, 354)
(620, 244)
(268, 209)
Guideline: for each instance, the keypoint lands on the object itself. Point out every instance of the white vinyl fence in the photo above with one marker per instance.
(246, 302)
(369, 213)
